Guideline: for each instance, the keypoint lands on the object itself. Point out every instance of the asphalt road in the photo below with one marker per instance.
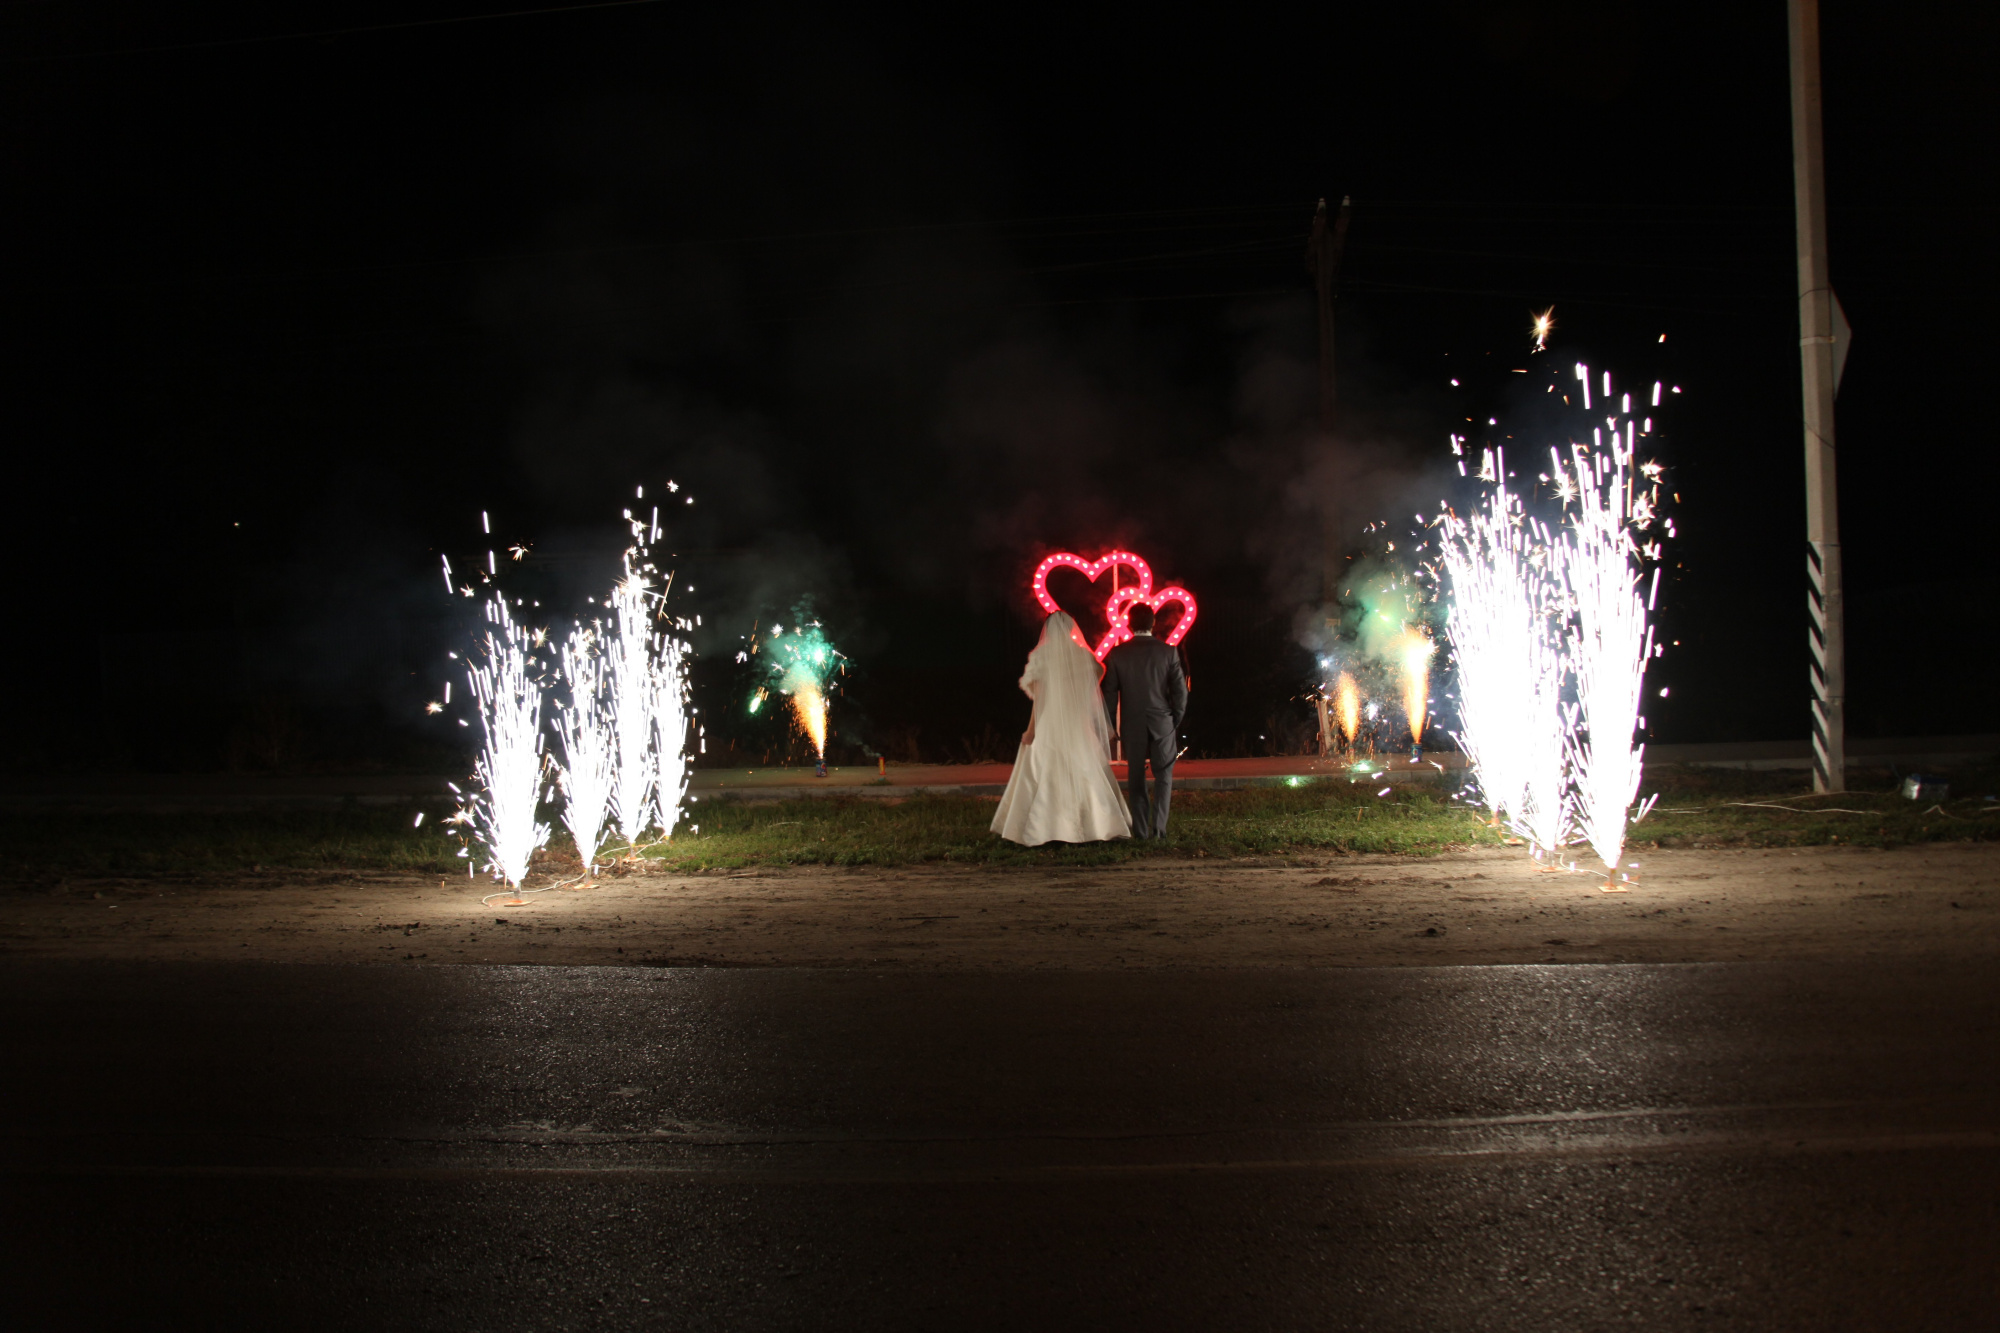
(1752, 1145)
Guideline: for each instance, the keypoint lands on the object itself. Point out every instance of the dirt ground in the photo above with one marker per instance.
(1485, 906)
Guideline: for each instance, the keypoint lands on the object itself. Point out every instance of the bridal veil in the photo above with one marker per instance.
(1062, 789)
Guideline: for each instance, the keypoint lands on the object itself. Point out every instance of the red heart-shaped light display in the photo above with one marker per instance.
(1119, 612)
(1119, 606)
(1092, 570)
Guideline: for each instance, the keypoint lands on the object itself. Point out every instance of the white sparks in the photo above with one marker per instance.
(1545, 323)
(1506, 600)
(1609, 643)
(508, 699)
(630, 685)
(669, 706)
(588, 742)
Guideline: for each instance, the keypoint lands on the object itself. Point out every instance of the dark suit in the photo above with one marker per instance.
(1148, 675)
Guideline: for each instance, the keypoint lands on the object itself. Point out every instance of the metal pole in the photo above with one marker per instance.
(1323, 262)
(1827, 634)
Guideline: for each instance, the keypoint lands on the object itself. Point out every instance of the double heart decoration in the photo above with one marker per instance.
(1118, 608)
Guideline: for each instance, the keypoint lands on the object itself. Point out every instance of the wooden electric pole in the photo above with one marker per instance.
(1323, 262)
(1827, 634)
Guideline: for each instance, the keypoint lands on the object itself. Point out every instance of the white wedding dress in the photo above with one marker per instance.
(1062, 789)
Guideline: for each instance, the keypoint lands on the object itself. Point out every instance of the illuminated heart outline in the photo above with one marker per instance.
(1119, 612)
(1092, 570)
(1118, 607)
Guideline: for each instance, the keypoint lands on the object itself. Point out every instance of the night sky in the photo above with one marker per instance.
(905, 299)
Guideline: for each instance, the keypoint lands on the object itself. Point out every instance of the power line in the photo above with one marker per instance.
(329, 32)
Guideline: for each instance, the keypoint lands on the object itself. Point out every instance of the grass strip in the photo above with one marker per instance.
(1697, 808)
(1247, 822)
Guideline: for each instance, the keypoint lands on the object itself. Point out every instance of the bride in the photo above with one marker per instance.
(1061, 789)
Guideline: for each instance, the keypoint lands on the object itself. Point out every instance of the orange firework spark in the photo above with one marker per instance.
(1347, 708)
(1415, 652)
(1545, 323)
(809, 706)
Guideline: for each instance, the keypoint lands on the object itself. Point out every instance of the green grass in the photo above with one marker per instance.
(1703, 808)
(1720, 808)
(1247, 822)
(1697, 807)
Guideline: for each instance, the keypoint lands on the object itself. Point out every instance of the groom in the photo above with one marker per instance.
(1148, 674)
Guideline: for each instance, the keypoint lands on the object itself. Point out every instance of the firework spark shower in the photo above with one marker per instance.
(802, 663)
(1384, 650)
(629, 682)
(670, 714)
(643, 714)
(1502, 631)
(622, 734)
(587, 740)
(507, 695)
(1347, 709)
(1545, 814)
(1413, 654)
(1536, 613)
(1610, 638)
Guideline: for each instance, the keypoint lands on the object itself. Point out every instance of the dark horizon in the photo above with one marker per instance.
(906, 306)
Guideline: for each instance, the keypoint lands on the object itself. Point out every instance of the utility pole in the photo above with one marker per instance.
(1827, 634)
(1323, 262)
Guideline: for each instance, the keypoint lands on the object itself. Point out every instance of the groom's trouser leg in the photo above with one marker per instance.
(1135, 792)
(1161, 752)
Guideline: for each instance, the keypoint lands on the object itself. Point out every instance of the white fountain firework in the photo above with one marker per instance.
(1609, 638)
(1492, 622)
(1546, 813)
(507, 695)
(1506, 590)
(646, 693)
(670, 732)
(588, 741)
(629, 702)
